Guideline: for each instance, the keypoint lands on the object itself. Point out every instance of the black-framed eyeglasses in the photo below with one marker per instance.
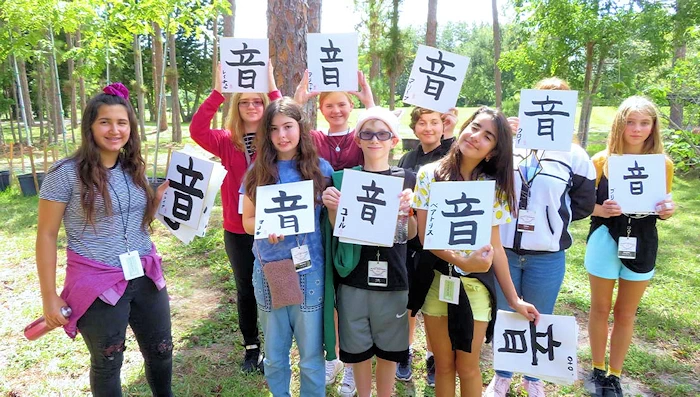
(380, 135)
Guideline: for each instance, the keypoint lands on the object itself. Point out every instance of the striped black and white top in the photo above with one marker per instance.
(248, 140)
(105, 241)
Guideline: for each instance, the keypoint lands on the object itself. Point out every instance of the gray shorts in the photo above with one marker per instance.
(372, 323)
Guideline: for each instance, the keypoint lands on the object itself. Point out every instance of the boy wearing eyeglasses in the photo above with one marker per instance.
(372, 319)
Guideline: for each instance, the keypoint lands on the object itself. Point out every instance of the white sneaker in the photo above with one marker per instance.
(498, 387)
(333, 368)
(533, 388)
(347, 388)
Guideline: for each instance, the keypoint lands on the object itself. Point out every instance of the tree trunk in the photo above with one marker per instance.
(150, 93)
(53, 98)
(138, 71)
(158, 69)
(71, 85)
(81, 79)
(228, 32)
(174, 91)
(12, 126)
(431, 28)
(395, 44)
(585, 104)
(314, 21)
(214, 63)
(40, 98)
(26, 98)
(375, 33)
(676, 103)
(496, 53)
(287, 23)
(17, 116)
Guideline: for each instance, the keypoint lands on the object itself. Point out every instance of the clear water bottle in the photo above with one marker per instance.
(39, 328)
(401, 234)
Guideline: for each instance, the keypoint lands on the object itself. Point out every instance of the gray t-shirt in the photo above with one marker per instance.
(104, 241)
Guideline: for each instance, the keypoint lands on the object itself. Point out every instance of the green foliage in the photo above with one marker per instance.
(684, 149)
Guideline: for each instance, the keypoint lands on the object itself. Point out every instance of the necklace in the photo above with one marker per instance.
(340, 141)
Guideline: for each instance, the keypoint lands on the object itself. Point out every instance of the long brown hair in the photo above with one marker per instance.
(94, 176)
(264, 171)
(234, 122)
(499, 166)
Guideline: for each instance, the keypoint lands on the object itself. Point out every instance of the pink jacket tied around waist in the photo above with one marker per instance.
(87, 280)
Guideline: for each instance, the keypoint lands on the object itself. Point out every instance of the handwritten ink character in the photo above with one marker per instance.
(369, 209)
(184, 191)
(246, 77)
(331, 75)
(434, 86)
(545, 126)
(636, 187)
(551, 343)
(511, 338)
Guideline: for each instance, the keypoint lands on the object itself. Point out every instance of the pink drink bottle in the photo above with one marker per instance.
(39, 328)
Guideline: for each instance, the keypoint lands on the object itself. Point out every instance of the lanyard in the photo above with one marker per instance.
(121, 212)
(527, 178)
(257, 250)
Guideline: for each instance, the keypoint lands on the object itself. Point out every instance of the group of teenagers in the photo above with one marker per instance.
(342, 320)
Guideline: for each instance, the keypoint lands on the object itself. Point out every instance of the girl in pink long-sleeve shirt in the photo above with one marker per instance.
(234, 146)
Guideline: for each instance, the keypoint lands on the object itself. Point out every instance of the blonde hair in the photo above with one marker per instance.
(552, 83)
(234, 123)
(653, 143)
(322, 97)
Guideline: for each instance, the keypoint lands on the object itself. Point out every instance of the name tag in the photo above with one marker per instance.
(526, 221)
(301, 258)
(449, 289)
(627, 248)
(378, 273)
(131, 265)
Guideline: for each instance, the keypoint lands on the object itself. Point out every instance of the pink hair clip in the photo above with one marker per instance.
(117, 89)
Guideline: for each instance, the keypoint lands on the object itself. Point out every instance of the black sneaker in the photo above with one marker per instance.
(595, 383)
(612, 387)
(253, 360)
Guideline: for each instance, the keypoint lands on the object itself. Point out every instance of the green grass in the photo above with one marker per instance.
(664, 358)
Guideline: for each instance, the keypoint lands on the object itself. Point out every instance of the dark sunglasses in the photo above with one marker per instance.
(380, 135)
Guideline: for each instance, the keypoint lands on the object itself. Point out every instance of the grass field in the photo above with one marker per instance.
(664, 359)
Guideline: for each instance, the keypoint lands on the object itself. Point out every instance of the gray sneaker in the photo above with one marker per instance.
(404, 370)
(347, 388)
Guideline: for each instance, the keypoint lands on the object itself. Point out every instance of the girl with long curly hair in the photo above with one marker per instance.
(114, 276)
(286, 154)
(234, 145)
(482, 151)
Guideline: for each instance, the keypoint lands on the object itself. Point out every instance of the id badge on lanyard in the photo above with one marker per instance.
(131, 265)
(449, 288)
(378, 273)
(627, 246)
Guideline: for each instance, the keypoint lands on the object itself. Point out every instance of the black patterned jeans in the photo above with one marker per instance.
(103, 327)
